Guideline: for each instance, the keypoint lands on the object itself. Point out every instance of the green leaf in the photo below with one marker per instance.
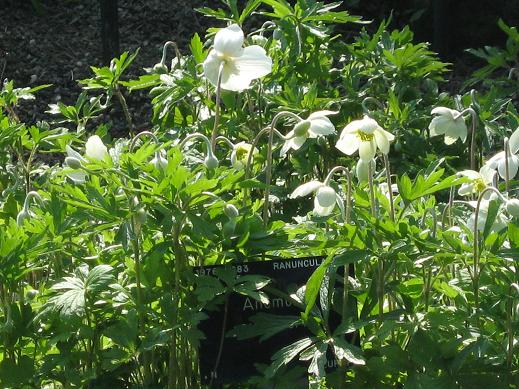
(286, 354)
(314, 284)
(348, 352)
(197, 48)
(493, 209)
(265, 325)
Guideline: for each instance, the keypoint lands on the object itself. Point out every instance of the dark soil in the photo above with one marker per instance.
(56, 42)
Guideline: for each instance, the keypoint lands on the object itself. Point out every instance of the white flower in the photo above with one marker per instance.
(325, 197)
(240, 155)
(446, 124)
(362, 169)
(478, 181)
(159, 162)
(499, 223)
(95, 148)
(241, 64)
(315, 125)
(364, 135)
(512, 207)
(498, 161)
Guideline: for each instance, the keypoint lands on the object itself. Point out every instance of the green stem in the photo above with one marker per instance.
(507, 166)
(125, 109)
(476, 253)
(389, 189)
(217, 108)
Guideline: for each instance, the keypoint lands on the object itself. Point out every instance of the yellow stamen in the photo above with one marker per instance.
(365, 137)
(242, 153)
(479, 185)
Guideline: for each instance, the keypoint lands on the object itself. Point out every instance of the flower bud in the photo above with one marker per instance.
(73, 162)
(277, 34)
(31, 294)
(362, 170)
(141, 216)
(301, 128)
(160, 68)
(211, 162)
(512, 207)
(159, 162)
(231, 211)
(259, 40)
(22, 216)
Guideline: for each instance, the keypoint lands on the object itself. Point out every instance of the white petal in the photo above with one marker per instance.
(496, 160)
(444, 111)
(471, 174)
(348, 143)
(487, 173)
(367, 150)
(368, 125)
(319, 114)
(362, 169)
(352, 127)
(287, 145)
(437, 125)
(466, 189)
(513, 142)
(382, 140)
(320, 125)
(212, 67)
(95, 148)
(319, 210)
(513, 166)
(240, 71)
(326, 196)
(306, 189)
(229, 41)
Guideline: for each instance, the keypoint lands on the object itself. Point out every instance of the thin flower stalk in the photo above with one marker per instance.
(165, 52)
(371, 100)
(476, 252)
(347, 173)
(268, 170)
(474, 117)
(214, 134)
(390, 191)
(507, 164)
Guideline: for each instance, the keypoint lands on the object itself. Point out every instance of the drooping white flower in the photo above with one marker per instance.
(159, 161)
(240, 154)
(317, 124)
(362, 169)
(448, 122)
(95, 148)
(364, 135)
(499, 223)
(324, 200)
(479, 181)
(498, 161)
(241, 64)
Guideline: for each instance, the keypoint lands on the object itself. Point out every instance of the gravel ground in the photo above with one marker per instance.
(56, 44)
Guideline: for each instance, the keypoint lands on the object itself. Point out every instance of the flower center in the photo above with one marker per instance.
(364, 136)
(479, 185)
(241, 153)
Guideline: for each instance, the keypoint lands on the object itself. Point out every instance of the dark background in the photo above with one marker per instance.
(55, 41)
